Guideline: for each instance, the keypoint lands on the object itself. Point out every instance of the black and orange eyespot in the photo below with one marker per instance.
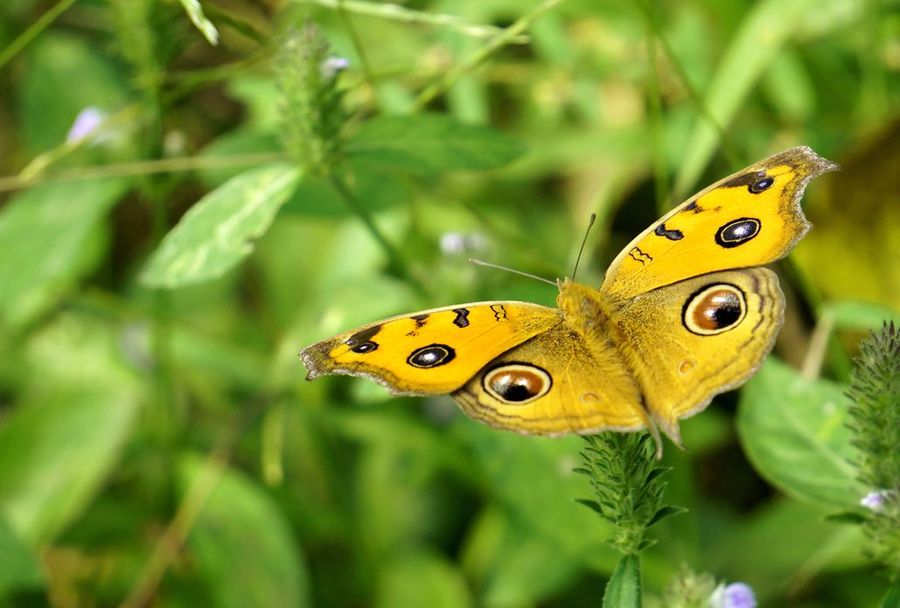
(517, 383)
(714, 309)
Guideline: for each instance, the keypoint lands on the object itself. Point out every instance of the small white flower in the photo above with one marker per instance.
(459, 243)
(86, 124)
(333, 65)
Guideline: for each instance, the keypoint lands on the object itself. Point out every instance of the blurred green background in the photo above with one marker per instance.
(158, 442)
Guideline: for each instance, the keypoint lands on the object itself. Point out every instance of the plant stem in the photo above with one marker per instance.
(33, 30)
(507, 36)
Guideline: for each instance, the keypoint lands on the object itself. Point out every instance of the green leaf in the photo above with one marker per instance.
(43, 236)
(892, 599)
(663, 513)
(510, 565)
(593, 505)
(218, 232)
(64, 436)
(793, 431)
(55, 454)
(242, 543)
(624, 587)
(431, 143)
(206, 27)
(767, 27)
(533, 478)
(854, 314)
(19, 567)
(847, 517)
(420, 578)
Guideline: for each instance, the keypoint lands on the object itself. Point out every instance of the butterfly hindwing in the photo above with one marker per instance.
(555, 384)
(690, 341)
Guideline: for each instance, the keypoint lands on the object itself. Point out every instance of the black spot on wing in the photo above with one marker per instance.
(361, 342)
(639, 256)
(462, 317)
(672, 235)
(363, 336)
(420, 320)
(692, 207)
(755, 181)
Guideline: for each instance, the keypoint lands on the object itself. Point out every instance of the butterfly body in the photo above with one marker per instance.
(684, 313)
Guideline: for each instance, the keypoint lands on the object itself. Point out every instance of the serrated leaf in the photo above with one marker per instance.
(793, 431)
(43, 236)
(624, 587)
(242, 543)
(431, 143)
(218, 232)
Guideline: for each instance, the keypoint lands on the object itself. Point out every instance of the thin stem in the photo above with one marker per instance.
(33, 30)
(660, 166)
(396, 12)
(695, 96)
(368, 73)
(396, 261)
(142, 167)
(506, 37)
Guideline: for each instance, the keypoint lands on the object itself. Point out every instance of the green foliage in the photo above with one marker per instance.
(875, 426)
(624, 587)
(793, 430)
(628, 483)
(262, 179)
(312, 115)
(219, 231)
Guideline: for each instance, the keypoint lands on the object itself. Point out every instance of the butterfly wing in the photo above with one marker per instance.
(748, 219)
(689, 341)
(555, 384)
(431, 352)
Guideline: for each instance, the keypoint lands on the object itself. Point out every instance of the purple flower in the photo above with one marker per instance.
(734, 595)
(333, 65)
(874, 500)
(86, 124)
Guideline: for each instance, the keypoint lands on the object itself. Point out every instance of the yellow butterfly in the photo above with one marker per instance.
(685, 312)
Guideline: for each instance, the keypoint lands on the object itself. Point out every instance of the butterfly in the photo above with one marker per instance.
(685, 312)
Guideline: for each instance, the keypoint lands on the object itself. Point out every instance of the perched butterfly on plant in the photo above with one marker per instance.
(685, 312)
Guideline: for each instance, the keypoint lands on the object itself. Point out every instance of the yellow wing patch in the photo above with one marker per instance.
(750, 218)
(431, 352)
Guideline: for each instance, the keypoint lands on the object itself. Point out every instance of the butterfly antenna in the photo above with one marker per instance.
(512, 270)
(583, 242)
